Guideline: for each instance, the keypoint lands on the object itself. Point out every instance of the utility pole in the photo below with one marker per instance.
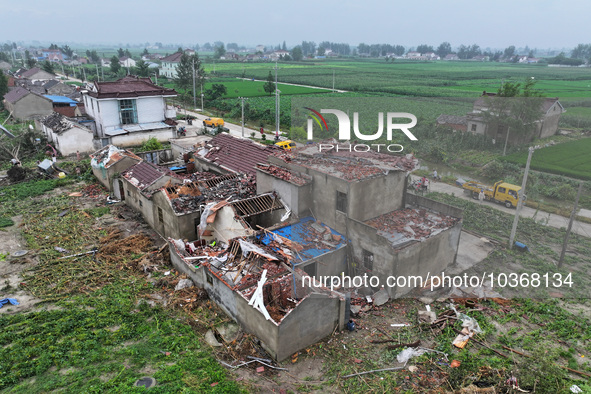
(242, 98)
(83, 73)
(570, 226)
(333, 81)
(97, 71)
(276, 103)
(194, 99)
(202, 108)
(520, 202)
(102, 71)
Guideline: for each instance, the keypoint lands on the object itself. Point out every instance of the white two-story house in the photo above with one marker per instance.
(169, 64)
(129, 111)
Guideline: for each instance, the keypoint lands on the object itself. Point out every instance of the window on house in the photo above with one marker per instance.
(128, 111)
(473, 128)
(128, 193)
(160, 217)
(141, 203)
(341, 201)
(367, 260)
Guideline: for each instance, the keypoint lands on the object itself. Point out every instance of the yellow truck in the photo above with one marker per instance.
(286, 145)
(213, 122)
(501, 192)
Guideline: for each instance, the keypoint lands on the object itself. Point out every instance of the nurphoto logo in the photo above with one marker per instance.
(345, 129)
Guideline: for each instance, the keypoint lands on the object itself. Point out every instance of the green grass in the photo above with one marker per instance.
(570, 159)
(248, 88)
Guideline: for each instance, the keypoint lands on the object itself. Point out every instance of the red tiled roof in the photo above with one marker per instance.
(237, 154)
(16, 94)
(143, 174)
(129, 87)
(174, 58)
(31, 72)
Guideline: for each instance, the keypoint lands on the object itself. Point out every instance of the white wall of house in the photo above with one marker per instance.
(168, 69)
(128, 63)
(105, 112)
(76, 139)
(138, 138)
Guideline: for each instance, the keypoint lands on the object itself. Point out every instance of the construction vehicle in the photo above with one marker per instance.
(501, 192)
(286, 145)
(213, 122)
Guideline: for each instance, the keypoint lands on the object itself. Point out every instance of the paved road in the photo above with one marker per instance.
(294, 84)
(542, 217)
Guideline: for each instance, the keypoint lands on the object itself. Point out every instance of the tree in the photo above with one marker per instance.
(270, 84)
(115, 65)
(3, 84)
(509, 52)
(127, 53)
(67, 51)
(424, 48)
(184, 71)
(48, 66)
(321, 51)
(120, 52)
(142, 68)
(217, 90)
(145, 52)
(297, 54)
(219, 52)
(444, 49)
(30, 61)
(515, 108)
(284, 47)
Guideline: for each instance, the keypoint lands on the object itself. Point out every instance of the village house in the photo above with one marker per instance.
(36, 74)
(550, 111)
(64, 105)
(57, 88)
(5, 66)
(25, 105)
(108, 163)
(67, 136)
(225, 154)
(130, 110)
(126, 62)
(169, 64)
(53, 55)
(457, 123)
(251, 245)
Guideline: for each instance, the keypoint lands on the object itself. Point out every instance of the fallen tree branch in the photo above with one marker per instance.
(374, 370)
(558, 365)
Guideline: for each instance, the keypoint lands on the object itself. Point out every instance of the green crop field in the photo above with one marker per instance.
(400, 77)
(570, 159)
(237, 87)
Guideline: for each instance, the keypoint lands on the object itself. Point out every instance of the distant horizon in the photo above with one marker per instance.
(541, 24)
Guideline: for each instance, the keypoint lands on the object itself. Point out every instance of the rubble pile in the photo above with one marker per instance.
(200, 176)
(411, 223)
(282, 173)
(346, 163)
(240, 187)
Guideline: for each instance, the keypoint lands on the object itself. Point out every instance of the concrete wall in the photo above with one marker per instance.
(314, 318)
(375, 196)
(480, 127)
(76, 139)
(297, 198)
(113, 171)
(156, 156)
(329, 264)
(173, 225)
(106, 112)
(140, 203)
(137, 138)
(443, 208)
(204, 165)
(226, 226)
(550, 123)
(30, 106)
(432, 255)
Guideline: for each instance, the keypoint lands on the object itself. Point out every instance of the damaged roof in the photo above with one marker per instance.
(308, 239)
(59, 123)
(285, 174)
(143, 174)
(110, 155)
(129, 87)
(235, 154)
(404, 226)
(347, 165)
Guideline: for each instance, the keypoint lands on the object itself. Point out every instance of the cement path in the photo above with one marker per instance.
(542, 217)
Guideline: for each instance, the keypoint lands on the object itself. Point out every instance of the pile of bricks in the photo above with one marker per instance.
(282, 173)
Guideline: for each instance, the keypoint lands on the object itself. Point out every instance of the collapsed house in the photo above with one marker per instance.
(107, 163)
(256, 287)
(251, 244)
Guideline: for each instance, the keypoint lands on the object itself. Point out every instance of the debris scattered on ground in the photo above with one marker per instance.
(10, 301)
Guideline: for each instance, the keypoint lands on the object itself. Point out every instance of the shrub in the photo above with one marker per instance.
(151, 144)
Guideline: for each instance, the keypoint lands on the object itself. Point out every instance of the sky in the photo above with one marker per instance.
(493, 24)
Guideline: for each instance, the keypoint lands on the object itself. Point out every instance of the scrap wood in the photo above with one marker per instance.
(558, 365)
(414, 344)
